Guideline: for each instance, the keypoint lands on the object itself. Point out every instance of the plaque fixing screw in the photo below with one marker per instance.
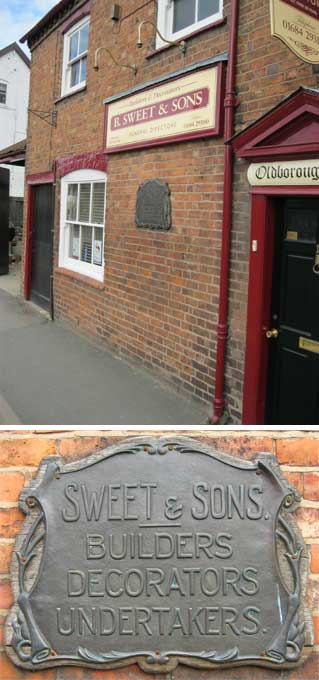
(288, 501)
(150, 449)
(31, 502)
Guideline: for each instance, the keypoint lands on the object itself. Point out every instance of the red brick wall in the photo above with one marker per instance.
(267, 73)
(298, 455)
(159, 300)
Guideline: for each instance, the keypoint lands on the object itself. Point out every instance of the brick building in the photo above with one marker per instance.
(161, 295)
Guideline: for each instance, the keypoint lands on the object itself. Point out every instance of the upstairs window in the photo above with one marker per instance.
(3, 93)
(76, 42)
(82, 222)
(178, 18)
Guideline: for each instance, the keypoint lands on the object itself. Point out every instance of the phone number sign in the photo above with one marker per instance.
(296, 23)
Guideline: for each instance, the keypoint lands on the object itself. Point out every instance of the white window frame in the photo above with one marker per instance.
(3, 82)
(66, 67)
(165, 18)
(94, 271)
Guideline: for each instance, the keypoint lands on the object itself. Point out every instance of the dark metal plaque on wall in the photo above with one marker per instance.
(153, 205)
(158, 552)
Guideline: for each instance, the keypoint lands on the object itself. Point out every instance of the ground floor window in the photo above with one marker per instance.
(82, 222)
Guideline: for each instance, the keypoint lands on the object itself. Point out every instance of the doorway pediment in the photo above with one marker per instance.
(290, 129)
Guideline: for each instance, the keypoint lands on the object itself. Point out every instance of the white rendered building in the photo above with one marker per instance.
(14, 97)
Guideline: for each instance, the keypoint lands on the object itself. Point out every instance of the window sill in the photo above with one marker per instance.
(163, 48)
(70, 94)
(82, 278)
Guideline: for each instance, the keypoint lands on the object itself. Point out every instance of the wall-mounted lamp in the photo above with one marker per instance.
(115, 12)
(117, 63)
(181, 43)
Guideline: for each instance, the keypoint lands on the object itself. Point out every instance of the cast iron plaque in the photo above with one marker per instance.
(158, 552)
(153, 205)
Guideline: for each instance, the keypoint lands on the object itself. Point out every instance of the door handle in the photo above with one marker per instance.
(272, 333)
(315, 267)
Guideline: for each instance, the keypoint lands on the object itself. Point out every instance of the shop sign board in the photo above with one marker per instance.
(284, 173)
(296, 23)
(158, 551)
(184, 108)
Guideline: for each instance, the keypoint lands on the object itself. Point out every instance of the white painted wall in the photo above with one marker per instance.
(13, 115)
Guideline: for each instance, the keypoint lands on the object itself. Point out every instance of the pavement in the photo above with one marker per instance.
(11, 282)
(49, 375)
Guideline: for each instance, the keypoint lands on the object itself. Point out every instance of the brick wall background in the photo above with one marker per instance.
(159, 299)
(298, 455)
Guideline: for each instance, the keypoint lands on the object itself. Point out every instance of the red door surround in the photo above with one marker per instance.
(259, 298)
(32, 181)
(263, 214)
(290, 131)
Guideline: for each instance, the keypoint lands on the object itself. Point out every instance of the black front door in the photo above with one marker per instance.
(4, 220)
(41, 262)
(293, 387)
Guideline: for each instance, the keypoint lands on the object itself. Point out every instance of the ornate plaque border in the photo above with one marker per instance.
(27, 646)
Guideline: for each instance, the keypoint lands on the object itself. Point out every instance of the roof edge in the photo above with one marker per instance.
(49, 17)
(14, 47)
(14, 154)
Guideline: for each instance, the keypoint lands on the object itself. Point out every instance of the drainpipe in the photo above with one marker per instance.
(230, 106)
(51, 310)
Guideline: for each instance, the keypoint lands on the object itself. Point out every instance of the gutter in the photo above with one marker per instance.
(222, 328)
(49, 16)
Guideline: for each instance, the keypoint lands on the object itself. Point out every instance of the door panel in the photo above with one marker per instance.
(297, 306)
(41, 263)
(292, 402)
(293, 380)
(4, 220)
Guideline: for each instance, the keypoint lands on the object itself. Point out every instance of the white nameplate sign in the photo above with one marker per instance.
(293, 173)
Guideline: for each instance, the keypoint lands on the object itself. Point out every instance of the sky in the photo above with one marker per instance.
(18, 16)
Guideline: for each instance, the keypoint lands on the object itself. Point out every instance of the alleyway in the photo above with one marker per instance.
(48, 375)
